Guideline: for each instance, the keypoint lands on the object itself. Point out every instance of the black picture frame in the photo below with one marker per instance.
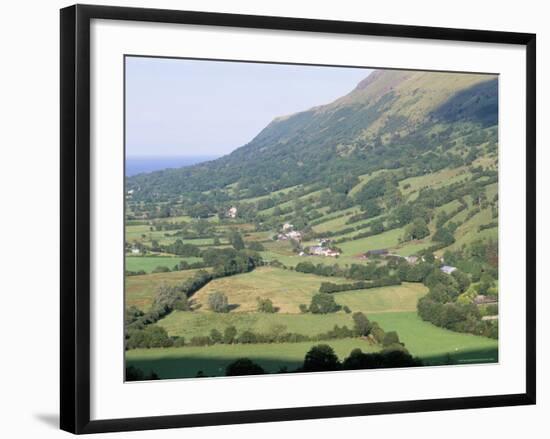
(75, 217)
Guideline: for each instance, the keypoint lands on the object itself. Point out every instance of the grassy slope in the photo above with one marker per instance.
(395, 298)
(287, 289)
(140, 290)
(387, 239)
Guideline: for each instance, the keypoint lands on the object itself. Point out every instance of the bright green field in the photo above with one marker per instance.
(394, 298)
(469, 231)
(149, 263)
(434, 345)
(413, 247)
(191, 324)
(434, 180)
(387, 239)
(212, 360)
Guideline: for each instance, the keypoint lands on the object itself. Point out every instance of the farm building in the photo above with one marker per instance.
(412, 259)
(297, 236)
(231, 212)
(447, 269)
(136, 251)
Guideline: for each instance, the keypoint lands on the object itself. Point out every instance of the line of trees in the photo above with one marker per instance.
(322, 358)
(329, 287)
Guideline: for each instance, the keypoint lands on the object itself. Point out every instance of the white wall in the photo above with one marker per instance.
(30, 204)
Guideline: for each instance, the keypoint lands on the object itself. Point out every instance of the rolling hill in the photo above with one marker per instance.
(392, 119)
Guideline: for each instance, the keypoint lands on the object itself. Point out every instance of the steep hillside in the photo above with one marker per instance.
(390, 120)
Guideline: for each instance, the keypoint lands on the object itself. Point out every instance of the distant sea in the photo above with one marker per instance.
(139, 164)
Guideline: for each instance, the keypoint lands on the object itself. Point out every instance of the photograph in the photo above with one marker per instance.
(286, 218)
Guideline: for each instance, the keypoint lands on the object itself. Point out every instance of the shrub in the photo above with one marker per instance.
(179, 342)
(218, 302)
(320, 358)
(265, 305)
(323, 303)
(377, 332)
(248, 337)
(243, 366)
(362, 325)
(256, 246)
(135, 374)
(391, 338)
(149, 337)
(216, 336)
(229, 335)
(200, 340)
(182, 303)
(161, 269)
(387, 358)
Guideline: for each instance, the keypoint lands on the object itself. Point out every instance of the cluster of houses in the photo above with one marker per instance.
(412, 260)
(319, 250)
(322, 249)
(288, 233)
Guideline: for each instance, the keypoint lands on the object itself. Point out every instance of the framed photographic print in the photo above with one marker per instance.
(286, 218)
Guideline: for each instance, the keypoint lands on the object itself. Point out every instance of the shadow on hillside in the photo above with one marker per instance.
(189, 367)
(463, 357)
(193, 366)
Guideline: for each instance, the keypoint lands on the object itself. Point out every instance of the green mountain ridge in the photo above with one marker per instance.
(392, 119)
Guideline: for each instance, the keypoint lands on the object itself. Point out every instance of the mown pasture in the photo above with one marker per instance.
(286, 288)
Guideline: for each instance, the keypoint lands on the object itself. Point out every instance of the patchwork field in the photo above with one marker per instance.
(398, 145)
(435, 346)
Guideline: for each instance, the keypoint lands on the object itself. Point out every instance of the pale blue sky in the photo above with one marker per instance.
(209, 108)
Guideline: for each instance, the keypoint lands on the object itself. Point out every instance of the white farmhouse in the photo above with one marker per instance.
(232, 212)
(287, 227)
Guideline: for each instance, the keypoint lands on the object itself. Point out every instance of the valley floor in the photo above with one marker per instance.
(435, 346)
